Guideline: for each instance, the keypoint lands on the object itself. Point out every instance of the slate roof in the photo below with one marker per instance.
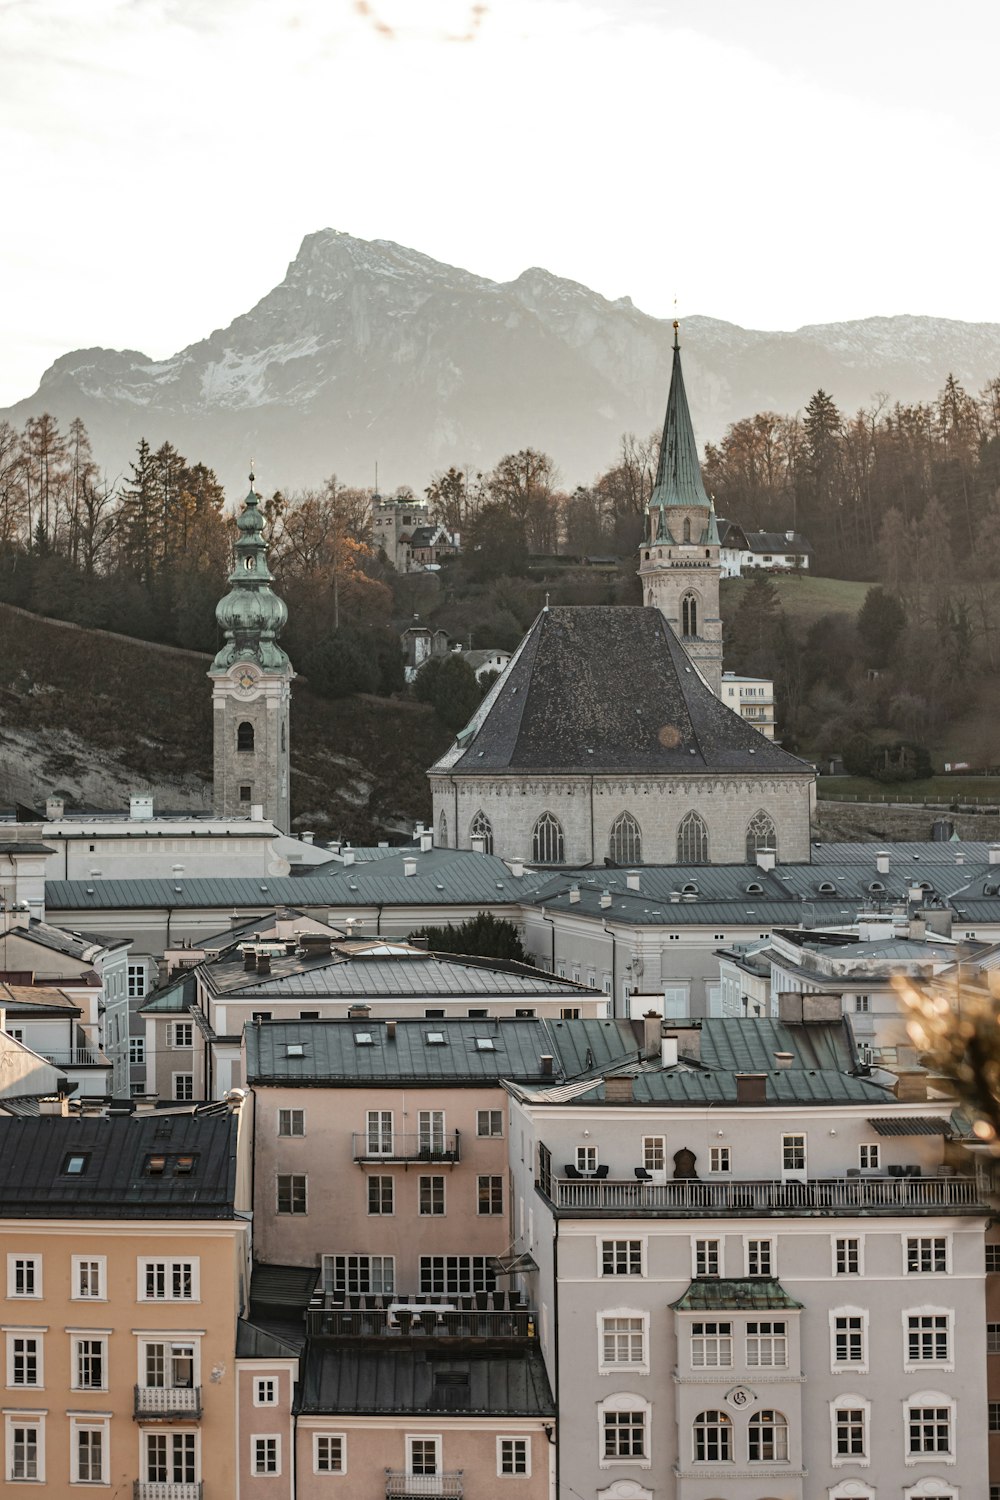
(34, 1000)
(368, 1380)
(750, 1294)
(608, 689)
(259, 1343)
(115, 1183)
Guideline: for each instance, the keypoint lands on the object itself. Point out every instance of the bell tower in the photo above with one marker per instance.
(679, 559)
(251, 685)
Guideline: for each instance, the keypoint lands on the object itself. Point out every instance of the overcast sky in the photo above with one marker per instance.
(772, 162)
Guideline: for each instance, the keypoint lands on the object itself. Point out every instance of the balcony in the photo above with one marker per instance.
(400, 1486)
(166, 1489)
(167, 1401)
(444, 1149)
(820, 1195)
(78, 1057)
(487, 1317)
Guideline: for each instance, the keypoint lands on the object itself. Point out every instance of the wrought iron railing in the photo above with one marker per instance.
(420, 1322)
(403, 1147)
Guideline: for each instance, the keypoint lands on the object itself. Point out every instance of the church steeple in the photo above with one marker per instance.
(251, 684)
(679, 563)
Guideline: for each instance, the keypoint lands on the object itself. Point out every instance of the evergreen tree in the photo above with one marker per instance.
(483, 935)
(881, 621)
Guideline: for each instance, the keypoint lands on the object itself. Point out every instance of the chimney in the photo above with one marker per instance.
(652, 1026)
(751, 1088)
(249, 960)
(426, 841)
(263, 963)
(55, 807)
(347, 857)
(409, 867)
(668, 1051)
(574, 894)
(478, 844)
(911, 1087)
(55, 1104)
(766, 859)
(358, 1011)
(995, 854)
(307, 837)
(140, 809)
(545, 1064)
(916, 895)
(960, 859)
(632, 880)
(517, 868)
(256, 812)
(916, 929)
(390, 1031)
(605, 899)
(619, 1090)
(882, 862)
(418, 829)
(784, 1059)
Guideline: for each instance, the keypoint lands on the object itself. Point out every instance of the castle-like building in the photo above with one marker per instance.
(605, 739)
(251, 685)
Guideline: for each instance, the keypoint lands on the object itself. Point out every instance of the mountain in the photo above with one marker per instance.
(369, 352)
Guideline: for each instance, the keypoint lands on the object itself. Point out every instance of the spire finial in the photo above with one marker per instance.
(546, 600)
(252, 474)
(676, 330)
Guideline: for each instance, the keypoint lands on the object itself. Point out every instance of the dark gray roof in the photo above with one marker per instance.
(912, 1125)
(23, 846)
(259, 1343)
(429, 975)
(775, 541)
(339, 1380)
(115, 1182)
(748, 1044)
(606, 689)
(784, 1086)
(174, 998)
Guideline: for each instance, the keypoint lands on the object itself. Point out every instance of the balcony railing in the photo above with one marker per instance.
(78, 1057)
(419, 1322)
(440, 1148)
(166, 1489)
(889, 1195)
(167, 1401)
(400, 1486)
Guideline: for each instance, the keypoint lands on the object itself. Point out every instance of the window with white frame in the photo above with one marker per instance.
(265, 1454)
(291, 1122)
(90, 1362)
(381, 1193)
(423, 1456)
(168, 1280)
(654, 1153)
(707, 1257)
(621, 1258)
(992, 1258)
(25, 1446)
(767, 1437)
(862, 1004)
(457, 1274)
(767, 1344)
(89, 1452)
(586, 1158)
(183, 1087)
(847, 1257)
(869, 1156)
(489, 1193)
(928, 1336)
(378, 1127)
(489, 1122)
(926, 1254)
(849, 1423)
(711, 1345)
(430, 1195)
(136, 981)
(849, 1339)
(713, 1438)
(930, 1420)
(329, 1453)
(623, 1340)
(180, 1034)
(993, 1338)
(430, 1130)
(170, 1458)
(513, 1457)
(793, 1153)
(24, 1360)
(719, 1159)
(624, 1423)
(292, 1193)
(265, 1390)
(993, 1416)
(760, 1257)
(137, 1050)
(167, 1364)
(359, 1273)
(24, 1275)
(89, 1274)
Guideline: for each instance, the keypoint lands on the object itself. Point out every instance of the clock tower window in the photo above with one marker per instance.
(244, 736)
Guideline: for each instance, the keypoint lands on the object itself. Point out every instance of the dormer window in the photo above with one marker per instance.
(435, 1039)
(75, 1164)
(363, 1039)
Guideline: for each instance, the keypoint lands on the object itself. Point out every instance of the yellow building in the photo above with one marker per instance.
(125, 1255)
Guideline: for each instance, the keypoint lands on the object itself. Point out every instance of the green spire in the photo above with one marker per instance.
(251, 614)
(678, 474)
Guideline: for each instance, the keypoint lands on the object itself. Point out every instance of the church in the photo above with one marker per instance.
(605, 741)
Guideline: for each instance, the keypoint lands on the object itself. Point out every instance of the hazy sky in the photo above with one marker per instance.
(772, 162)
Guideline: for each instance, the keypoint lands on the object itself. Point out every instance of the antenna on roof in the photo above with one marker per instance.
(546, 599)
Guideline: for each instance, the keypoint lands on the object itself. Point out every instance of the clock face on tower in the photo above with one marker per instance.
(246, 681)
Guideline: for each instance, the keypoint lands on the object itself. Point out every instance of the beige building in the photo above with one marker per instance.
(752, 698)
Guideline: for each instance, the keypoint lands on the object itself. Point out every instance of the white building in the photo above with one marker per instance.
(752, 698)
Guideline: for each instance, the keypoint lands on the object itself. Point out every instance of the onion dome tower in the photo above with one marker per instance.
(251, 684)
(679, 560)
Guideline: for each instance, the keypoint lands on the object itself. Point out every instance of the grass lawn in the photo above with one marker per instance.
(803, 598)
(946, 789)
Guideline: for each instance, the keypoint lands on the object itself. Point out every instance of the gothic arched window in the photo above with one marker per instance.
(689, 615)
(687, 529)
(442, 831)
(625, 845)
(761, 834)
(692, 841)
(547, 841)
(482, 828)
(244, 736)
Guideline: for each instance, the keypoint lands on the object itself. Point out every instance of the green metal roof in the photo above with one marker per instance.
(686, 1086)
(751, 1294)
(748, 1045)
(678, 474)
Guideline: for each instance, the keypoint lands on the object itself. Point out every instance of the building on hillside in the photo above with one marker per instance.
(393, 523)
(752, 698)
(486, 661)
(601, 743)
(420, 643)
(679, 559)
(251, 685)
(743, 551)
(770, 1262)
(127, 1258)
(428, 546)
